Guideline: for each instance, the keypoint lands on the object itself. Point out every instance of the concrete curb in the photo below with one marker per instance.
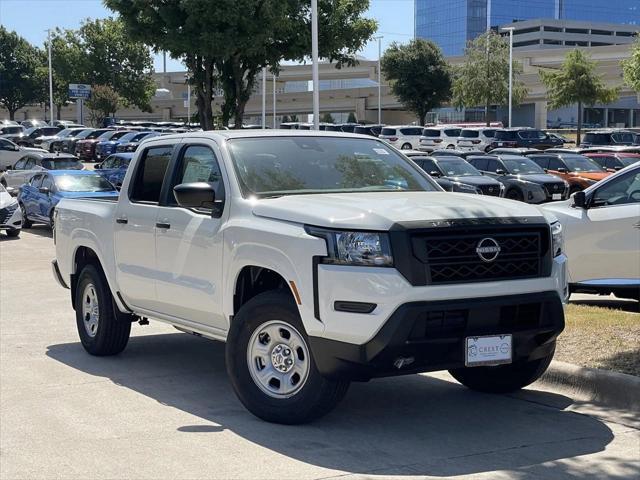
(611, 389)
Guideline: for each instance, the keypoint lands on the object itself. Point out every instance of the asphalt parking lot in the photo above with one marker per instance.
(164, 409)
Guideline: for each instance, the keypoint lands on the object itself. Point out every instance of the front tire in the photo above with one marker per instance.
(515, 194)
(26, 223)
(271, 366)
(406, 146)
(13, 233)
(103, 329)
(502, 378)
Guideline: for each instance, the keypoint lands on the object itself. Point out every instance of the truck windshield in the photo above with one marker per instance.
(275, 166)
(83, 183)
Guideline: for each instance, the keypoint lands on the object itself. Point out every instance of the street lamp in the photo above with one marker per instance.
(510, 30)
(50, 80)
(264, 97)
(314, 66)
(274, 100)
(379, 38)
(188, 78)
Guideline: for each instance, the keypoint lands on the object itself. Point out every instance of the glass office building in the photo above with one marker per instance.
(452, 23)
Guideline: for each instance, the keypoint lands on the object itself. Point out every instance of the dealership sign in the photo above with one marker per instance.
(79, 90)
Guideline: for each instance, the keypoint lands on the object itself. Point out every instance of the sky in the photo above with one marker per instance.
(31, 19)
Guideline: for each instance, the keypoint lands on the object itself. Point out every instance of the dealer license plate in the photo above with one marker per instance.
(556, 196)
(488, 350)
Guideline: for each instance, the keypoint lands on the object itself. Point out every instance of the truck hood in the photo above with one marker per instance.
(539, 178)
(475, 180)
(379, 211)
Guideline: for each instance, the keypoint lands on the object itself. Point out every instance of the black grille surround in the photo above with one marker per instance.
(555, 187)
(5, 213)
(444, 252)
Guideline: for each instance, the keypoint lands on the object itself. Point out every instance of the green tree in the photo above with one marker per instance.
(631, 67)
(576, 82)
(102, 104)
(285, 119)
(21, 79)
(351, 118)
(419, 76)
(294, 118)
(226, 43)
(327, 118)
(483, 78)
(67, 61)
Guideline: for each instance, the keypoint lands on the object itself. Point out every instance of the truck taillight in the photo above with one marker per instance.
(475, 142)
(393, 139)
(437, 140)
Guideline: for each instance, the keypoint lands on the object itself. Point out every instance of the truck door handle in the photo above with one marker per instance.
(122, 220)
(166, 226)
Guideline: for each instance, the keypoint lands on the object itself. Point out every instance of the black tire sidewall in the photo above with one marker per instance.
(100, 344)
(515, 194)
(302, 406)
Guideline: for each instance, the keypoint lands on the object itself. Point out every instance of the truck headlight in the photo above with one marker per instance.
(371, 249)
(557, 239)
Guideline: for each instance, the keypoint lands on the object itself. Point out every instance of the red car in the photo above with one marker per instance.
(86, 148)
(614, 161)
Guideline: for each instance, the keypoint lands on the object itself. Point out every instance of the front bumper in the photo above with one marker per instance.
(428, 336)
(10, 218)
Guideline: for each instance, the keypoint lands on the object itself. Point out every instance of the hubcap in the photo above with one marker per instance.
(278, 359)
(90, 310)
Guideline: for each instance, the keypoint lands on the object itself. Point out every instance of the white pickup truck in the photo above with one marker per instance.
(320, 258)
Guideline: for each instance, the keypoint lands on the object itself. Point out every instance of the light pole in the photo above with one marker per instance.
(510, 30)
(186, 76)
(264, 97)
(314, 67)
(379, 38)
(274, 100)
(50, 80)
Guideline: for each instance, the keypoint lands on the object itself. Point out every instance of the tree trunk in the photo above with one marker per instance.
(579, 124)
(422, 117)
(12, 114)
(58, 108)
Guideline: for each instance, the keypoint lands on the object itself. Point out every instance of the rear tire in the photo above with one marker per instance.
(502, 378)
(103, 329)
(13, 233)
(265, 322)
(407, 146)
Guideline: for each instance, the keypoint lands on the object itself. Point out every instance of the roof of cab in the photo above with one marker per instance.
(258, 133)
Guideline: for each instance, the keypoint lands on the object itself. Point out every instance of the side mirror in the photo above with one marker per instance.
(501, 172)
(44, 190)
(580, 200)
(195, 195)
(435, 173)
(563, 170)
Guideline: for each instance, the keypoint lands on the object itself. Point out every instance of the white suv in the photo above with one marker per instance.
(440, 136)
(478, 138)
(405, 137)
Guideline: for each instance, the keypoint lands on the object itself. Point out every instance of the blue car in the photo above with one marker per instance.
(115, 167)
(106, 148)
(39, 197)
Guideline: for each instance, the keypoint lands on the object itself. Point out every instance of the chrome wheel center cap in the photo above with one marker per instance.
(282, 358)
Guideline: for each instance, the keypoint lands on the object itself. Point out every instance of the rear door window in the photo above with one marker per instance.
(36, 181)
(469, 134)
(31, 162)
(452, 132)
(493, 165)
(388, 131)
(20, 163)
(543, 162)
(150, 174)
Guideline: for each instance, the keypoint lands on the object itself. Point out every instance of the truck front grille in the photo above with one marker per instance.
(552, 188)
(473, 251)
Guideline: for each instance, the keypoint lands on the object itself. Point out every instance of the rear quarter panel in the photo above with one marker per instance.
(85, 223)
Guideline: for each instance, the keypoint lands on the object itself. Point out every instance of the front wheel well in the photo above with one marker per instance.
(253, 280)
(84, 256)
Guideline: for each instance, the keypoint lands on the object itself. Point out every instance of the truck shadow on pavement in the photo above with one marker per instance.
(413, 425)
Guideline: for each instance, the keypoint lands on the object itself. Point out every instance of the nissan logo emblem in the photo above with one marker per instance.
(488, 249)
